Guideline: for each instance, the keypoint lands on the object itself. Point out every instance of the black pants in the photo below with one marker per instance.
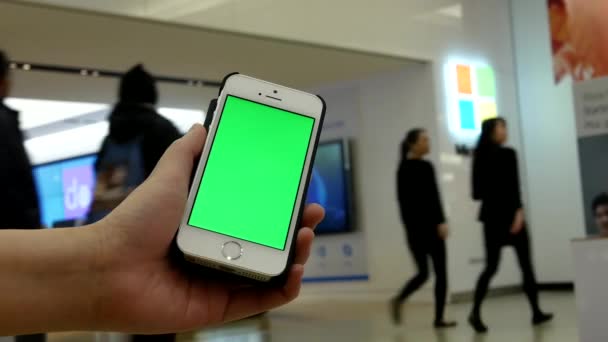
(421, 249)
(497, 235)
(31, 338)
(153, 338)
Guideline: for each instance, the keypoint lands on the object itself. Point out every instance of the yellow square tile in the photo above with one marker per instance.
(487, 110)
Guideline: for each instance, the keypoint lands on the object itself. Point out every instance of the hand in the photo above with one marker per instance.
(518, 222)
(142, 291)
(444, 231)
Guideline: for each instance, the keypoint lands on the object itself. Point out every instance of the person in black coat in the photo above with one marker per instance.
(134, 124)
(422, 214)
(19, 207)
(496, 184)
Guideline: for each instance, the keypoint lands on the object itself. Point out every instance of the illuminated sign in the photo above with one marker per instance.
(471, 97)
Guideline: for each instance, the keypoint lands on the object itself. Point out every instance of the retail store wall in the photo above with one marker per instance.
(375, 113)
(478, 33)
(555, 207)
(479, 36)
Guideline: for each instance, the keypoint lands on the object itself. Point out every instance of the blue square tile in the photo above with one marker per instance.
(467, 114)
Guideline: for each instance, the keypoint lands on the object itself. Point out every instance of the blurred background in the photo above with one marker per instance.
(383, 67)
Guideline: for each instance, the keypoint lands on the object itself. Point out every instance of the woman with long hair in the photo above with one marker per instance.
(496, 184)
(422, 214)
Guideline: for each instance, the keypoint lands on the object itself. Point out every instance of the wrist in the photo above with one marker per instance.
(51, 279)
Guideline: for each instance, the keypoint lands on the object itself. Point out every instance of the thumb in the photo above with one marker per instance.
(177, 163)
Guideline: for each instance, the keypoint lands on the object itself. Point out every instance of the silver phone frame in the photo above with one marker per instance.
(204, 246)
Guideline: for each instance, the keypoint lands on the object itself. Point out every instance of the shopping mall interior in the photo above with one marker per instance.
(383, 68)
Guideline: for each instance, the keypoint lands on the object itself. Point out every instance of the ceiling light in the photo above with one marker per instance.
(454, 11)
(26, 67)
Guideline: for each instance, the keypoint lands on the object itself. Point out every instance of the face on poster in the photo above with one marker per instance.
(579, 38)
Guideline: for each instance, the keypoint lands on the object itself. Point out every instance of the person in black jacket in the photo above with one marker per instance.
(19, 201)
(138, 137)
(422, 214)
(135, 116)
(19, 207)
(496, 184)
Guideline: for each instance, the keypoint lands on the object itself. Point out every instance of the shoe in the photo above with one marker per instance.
(444, 324)
(541, 317)
(396, 311)
(477, 324)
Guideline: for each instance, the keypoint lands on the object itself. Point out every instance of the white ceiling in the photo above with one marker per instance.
(61, 129)
(356, 23)
(228, 13)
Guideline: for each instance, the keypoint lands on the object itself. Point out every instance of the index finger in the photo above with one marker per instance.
(313, 215)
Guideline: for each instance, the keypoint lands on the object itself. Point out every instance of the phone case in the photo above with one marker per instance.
(281, 279)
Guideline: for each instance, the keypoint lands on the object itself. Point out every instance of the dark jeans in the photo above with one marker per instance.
(497, 236)
(31, 338)
(422, 249)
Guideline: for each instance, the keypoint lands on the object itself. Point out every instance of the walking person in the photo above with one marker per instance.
(422, 215)
(496, 184)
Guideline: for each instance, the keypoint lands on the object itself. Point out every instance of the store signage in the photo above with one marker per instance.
(471, 98)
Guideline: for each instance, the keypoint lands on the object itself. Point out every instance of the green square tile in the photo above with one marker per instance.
(486, 83)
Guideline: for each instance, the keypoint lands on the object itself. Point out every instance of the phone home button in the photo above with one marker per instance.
(232, 250)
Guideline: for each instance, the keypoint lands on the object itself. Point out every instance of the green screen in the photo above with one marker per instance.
(251, 180)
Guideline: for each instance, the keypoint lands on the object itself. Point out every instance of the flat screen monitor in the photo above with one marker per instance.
(65, 189)
(330, 186)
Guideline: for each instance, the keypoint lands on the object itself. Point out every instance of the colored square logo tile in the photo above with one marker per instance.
(465, 85)
(467, 114)
(77, 195)
(486, 84)
(487, 110)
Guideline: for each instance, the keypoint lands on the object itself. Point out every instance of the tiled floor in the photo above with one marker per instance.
(358, 321)
(507, 317)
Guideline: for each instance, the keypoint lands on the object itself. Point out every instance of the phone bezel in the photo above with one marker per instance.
(206, 246)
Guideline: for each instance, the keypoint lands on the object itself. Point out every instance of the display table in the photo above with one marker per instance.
(591, 286)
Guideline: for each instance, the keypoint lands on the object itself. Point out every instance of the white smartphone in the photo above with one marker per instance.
(248, 192)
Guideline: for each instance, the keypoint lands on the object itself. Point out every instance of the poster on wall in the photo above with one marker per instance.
(591, 110)
(579, 37)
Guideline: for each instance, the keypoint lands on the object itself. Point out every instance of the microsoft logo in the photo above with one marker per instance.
(476, 95)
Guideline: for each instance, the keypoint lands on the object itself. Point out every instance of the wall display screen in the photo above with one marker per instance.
(65, 188)
(330, 187)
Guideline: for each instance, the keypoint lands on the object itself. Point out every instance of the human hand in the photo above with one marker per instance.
(141, 290)
(518, 222)
(444, 231)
